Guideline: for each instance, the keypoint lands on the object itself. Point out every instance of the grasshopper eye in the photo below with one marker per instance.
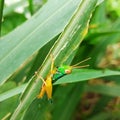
(68, 71)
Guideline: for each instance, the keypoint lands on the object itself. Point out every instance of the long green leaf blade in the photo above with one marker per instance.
(12, 92)
(112, 90)
(85, 74)
(34, 34)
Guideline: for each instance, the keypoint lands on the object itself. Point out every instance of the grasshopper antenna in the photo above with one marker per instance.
(75, 65)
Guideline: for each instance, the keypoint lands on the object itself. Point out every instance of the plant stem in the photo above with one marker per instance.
(31, 6)
(1, 13)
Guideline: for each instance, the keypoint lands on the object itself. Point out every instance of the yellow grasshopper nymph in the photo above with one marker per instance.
(55, 74)
(47, 83)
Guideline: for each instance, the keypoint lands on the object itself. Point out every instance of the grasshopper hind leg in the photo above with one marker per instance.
(42, 92)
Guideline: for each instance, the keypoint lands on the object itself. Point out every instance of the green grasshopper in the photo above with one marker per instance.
(55, 74)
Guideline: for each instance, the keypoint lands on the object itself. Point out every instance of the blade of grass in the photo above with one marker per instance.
(85, 74)
(104, 89)
(12, 92)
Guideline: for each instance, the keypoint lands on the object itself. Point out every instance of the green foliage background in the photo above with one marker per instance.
(29, 35)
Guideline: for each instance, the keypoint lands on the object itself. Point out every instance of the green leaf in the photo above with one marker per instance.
(33, 34)
(112, 90)
(85, 74)
(7, 102)
(12, 92)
